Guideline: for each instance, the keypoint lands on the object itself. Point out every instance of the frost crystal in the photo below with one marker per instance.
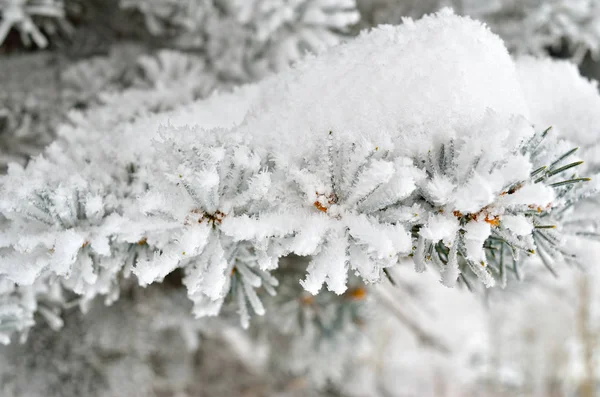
(328, 209)
(203, 180)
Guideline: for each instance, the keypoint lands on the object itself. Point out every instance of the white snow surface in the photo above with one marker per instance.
(410, 81)
(558, 96)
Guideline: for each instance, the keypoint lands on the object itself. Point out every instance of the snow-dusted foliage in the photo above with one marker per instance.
(84, 81)
(165, 17)
(17, 309)
(20, 14)
(22, 135)
(350, 159)
(532, 26)
(200, 181)
(160, 83)
(63, 222)
(177, 77)
(263, 35)
(242, 40)
(89, 144)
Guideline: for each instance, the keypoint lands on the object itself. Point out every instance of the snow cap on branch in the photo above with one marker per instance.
(441, 72)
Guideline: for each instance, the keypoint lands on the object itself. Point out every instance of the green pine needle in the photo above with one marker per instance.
(564, 168)
(542, 168)
(564, 156)
(570, 181)
(546, 131)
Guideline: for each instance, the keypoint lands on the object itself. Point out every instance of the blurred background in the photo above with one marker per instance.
(77, 61)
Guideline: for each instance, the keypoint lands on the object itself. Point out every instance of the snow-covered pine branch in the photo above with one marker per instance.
(408, 143)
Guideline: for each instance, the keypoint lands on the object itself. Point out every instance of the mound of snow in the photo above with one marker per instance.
(558, 96)
(439, 73)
